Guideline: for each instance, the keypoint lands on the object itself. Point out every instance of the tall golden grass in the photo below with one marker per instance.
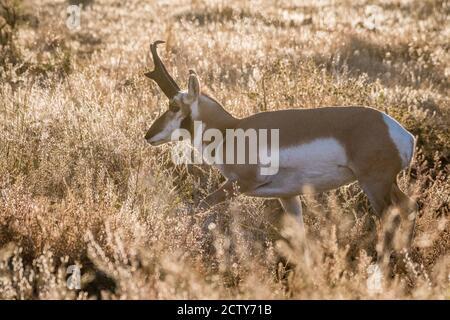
(79, 185)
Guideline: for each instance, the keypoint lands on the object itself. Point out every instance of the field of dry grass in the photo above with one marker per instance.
(80, 186)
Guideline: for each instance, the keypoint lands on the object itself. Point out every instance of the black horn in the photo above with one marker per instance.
(160, 74)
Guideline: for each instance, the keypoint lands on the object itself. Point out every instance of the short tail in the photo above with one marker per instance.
(411, 153)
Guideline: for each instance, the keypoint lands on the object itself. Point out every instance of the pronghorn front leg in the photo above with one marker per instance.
(218, 196)
(228, 189)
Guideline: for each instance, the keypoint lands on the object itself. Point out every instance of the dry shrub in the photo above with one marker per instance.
(79, 186)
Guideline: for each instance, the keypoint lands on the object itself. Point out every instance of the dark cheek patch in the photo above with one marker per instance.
(188, 124)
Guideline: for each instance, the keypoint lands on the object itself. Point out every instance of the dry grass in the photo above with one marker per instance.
(79, 185)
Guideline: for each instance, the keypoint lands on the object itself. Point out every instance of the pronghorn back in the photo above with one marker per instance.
(325, 148)
(368, 137)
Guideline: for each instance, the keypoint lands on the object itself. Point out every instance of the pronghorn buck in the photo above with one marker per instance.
(319, 149)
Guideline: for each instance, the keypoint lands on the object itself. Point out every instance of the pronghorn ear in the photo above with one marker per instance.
(193, 86)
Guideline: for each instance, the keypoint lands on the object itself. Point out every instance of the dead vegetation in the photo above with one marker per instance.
(79, 185)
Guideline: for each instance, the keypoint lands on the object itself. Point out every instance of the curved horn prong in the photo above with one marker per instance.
(160, 74)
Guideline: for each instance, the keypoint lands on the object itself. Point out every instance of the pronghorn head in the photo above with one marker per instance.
(178, 116)
(181, 103)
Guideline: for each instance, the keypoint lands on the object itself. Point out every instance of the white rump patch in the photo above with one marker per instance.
(403, 140)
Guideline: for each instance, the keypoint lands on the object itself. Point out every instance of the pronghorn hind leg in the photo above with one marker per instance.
(378, 194)
(408, 209)
(385, 195)
(378, 190)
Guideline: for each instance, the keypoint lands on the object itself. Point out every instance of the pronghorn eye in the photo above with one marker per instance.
(174, 108)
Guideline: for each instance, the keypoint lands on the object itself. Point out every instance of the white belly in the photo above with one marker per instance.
(316, 166)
